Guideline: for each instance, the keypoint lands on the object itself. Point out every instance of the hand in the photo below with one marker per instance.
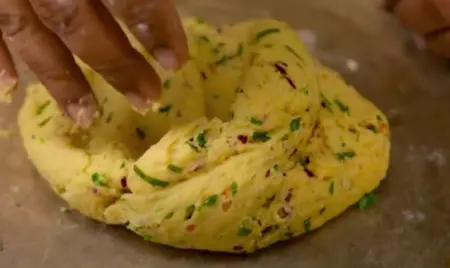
(430, 19)
(45, 33)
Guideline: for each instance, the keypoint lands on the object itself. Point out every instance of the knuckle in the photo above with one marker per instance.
(13, 24)
(60, 16)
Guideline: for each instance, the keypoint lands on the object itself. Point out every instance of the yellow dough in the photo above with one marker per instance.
(253, 142)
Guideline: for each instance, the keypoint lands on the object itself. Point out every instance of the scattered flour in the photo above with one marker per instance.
(309, 38)
(413, 216)
(423, 153)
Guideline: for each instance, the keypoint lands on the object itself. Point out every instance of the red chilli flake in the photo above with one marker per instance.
(242, 138)
(190, 227)
(290, 82)
(268, 173)
(123, 182)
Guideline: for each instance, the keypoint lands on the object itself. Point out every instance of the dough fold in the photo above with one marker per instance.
(252, 142)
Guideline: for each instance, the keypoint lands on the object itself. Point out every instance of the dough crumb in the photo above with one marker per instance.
(352, 65)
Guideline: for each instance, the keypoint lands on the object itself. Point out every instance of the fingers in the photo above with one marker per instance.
(440, 44)
(8, 76)
(444, 7)
(158, 27)
(420, 16)
(47, 57)
(89, 31)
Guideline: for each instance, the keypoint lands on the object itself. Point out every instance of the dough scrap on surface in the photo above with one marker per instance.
(253, 142)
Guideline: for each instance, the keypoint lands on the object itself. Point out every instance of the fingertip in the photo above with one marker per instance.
(166, 58)
(82, 111)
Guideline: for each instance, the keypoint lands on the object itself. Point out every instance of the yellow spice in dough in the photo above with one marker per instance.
(253, 142)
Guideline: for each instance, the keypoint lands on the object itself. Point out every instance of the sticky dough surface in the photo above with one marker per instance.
(253, 142)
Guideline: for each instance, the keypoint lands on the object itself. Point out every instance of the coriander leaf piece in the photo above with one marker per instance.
(202, 139)
(174, 168)
(367, 201)
(99, 179)
(266, 32)
(345, 155)
(211, 200)
(153, 181)
(295, 124)
(256, 121)
(260, 136)
(244, 231)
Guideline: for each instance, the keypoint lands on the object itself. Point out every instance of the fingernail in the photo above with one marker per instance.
(82, 111)
(139, 104)
(7, 85)
(419, 42)
(165, 58)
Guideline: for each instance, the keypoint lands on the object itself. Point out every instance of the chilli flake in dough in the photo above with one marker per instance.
(253, 142)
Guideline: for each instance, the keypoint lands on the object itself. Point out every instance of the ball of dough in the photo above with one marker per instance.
(252, 142)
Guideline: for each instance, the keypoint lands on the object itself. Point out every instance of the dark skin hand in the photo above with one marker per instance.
(45, 34)
(429, 19)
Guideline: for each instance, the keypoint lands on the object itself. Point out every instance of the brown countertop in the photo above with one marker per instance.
(408, 227)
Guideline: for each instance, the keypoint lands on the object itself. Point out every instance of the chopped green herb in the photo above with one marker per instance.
(343, 155)
(152, 181)
(169, 215)
(276, 167)
(140, 133)
(372, 128)
(240, 50)
(305, 90)
(202, 139)
(167, 83)
(174, 168)
(223, 60)
(290, 49)
(211, 200)
(266, 32)
(331, 188)
(108, 118)
(45, 121)
(256, 122)
(326, 101)
(40, 109)
(189, 212)
(344, 108)
(261, 136)
(244, 231)
(204, 38)
(367, 201)
(99, 179)
(165, 109)
(234, 188)
(295, 124)
(307, 224)
(148, 238)
(122, 165)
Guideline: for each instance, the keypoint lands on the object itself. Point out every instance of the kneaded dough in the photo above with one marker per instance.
(253, 142)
